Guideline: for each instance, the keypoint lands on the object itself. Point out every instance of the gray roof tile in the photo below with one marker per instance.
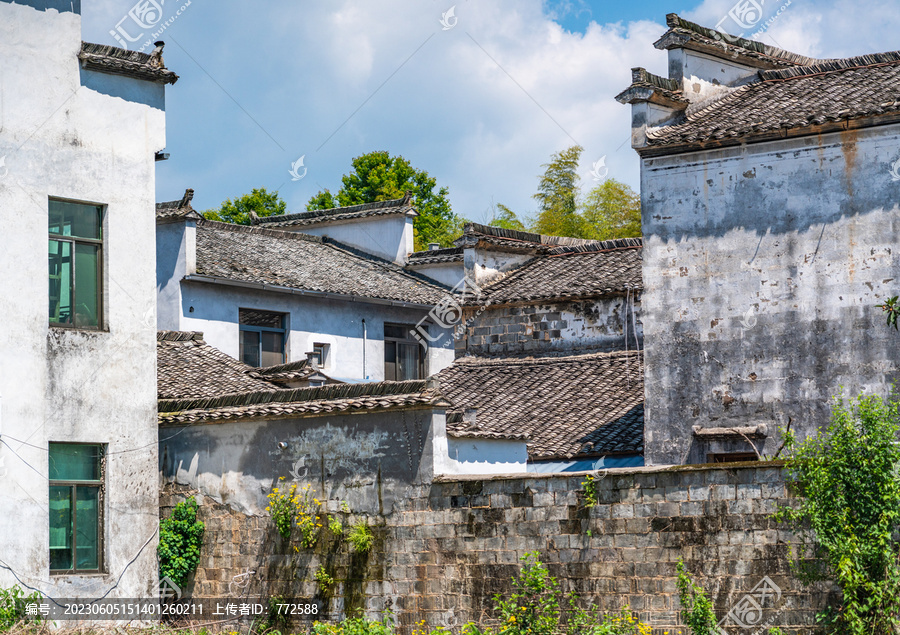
(298, 261)
(577, 405)
(315, 217)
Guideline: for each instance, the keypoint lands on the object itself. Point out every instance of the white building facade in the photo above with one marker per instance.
(78, 431)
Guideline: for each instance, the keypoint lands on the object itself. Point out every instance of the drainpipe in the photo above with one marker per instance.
(364, 348)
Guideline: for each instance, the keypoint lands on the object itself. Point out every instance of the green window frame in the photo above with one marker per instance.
(77, 474)
(75, 261)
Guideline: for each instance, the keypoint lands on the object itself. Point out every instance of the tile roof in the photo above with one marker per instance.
(315, 217)
(189, 368)
(646, 86)
(685, 34)
(612, 266)
(177, 210)
(110, 59)
(301, 402)
(283, 259)
(577, 405)
(475, 234)
(793, 98)
(433, 256)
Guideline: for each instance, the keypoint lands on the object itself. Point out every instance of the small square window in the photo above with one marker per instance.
(76, 508)
(321, 354)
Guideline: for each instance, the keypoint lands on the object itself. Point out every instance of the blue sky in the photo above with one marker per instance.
(480, 106)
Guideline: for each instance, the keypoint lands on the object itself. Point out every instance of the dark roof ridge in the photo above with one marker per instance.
(523, 236)
(544, 359)
(399, 203)
(600, 245)
(444, 251)
(280, 368)
(830, 66)
(179, 336)
(328, 392)
(263, 231)
(726, 41)
(105, 58)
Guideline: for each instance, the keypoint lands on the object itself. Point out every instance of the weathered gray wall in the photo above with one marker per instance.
(588, 325)
(762, 268)
(442, 553)
(63, 135)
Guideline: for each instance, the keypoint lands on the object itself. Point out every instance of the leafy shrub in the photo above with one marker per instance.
(12, 607)
(360, 537)
(180, 538)
(356, 626)
(591, 496)
(696, 609)
(293, 507)
(325, 581)
(336, 526)
(849, 503)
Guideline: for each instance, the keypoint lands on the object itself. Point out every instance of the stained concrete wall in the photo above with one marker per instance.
(63, 135)
(587, 325)
(444, 549)
(762, 268)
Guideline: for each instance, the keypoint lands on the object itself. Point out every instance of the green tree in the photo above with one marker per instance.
(237, 211)
(180, 539)
(377, 176)
(506, 218)
(557, 196)
(611, 210)
(849, 505)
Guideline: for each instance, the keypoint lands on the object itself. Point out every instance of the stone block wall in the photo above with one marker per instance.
(588, 325)
(445, 552)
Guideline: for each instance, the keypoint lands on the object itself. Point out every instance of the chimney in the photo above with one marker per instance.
(312, 360)
(433, 246)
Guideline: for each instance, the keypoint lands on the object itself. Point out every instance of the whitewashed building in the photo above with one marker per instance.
(80, 127)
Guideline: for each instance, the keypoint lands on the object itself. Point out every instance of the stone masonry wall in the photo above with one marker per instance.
(588, 325)
(444, 553)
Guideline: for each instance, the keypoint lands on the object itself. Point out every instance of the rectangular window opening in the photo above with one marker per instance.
(403, 355)
(75, 264)
(76, 508)
(262, 337)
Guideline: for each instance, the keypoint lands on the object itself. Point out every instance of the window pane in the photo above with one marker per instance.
(60, 282)
(74, 462)
(87, 524)
(252, 317)
(409, 361)
(272, 348)
(396, 331)
(87, 303)
(250, 348)
(75, 219)
(390, 361)
(60, 527)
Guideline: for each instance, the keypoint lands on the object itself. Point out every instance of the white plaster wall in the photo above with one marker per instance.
(312, 319)
(447, 273)
(65, 133)
(704, 76)
(485, 266)
(485, 456)
(763, 266)
(389, 237)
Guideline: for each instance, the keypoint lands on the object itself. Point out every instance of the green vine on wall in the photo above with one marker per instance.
(180, 539)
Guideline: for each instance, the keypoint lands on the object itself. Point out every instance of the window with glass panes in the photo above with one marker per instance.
(262, 337)
(403, 355)
(76, 243)
(76, 515)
